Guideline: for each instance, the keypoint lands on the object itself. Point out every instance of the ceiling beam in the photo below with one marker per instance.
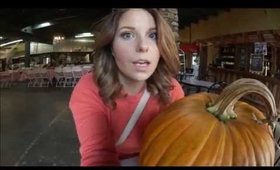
(26, 37)
(260, 36)
(276, 35)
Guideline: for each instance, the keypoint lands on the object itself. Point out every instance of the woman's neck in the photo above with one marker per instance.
(131, 87)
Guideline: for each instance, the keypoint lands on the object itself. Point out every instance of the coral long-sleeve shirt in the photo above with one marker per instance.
(98, 127)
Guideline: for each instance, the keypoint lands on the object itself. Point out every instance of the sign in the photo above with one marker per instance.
(260, 48)
(189, 47)
(256, 62)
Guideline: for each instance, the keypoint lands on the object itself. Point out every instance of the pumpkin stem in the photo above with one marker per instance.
(223, 106)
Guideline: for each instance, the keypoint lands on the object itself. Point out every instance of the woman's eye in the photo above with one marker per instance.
(153, 35)
(127, 35)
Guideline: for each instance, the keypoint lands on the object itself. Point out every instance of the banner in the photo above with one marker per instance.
(260, 48)
(193, 48)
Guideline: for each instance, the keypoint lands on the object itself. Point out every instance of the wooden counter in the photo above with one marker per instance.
(229, 76)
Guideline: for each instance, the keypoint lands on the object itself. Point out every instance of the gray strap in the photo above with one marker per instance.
(134, 117)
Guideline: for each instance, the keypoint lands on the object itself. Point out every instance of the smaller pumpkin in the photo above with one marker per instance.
(205, 129)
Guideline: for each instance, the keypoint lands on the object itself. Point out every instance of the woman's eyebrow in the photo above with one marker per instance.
(126, 27)
(152, 29)
(133, 28)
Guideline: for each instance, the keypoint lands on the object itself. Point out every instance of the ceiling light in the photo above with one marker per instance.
(11, 42)
(84, 40)
(83, 35)
(27, 29)
(42, 25)
(1, 37)
(57, 39)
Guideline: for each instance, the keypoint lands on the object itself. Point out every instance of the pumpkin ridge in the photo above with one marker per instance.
(258, 153)
(242, 128)
(156, 127)
(199, 148)
(264, 147)
(216, 136)
(221, 150)
(228, 148)
(221, 145)
(253, 136)
(240, 154)
(175, 137)
(158, 131)
(255, 131)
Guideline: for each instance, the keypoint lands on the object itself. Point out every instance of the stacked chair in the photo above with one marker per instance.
(38, 77)
(67, 76)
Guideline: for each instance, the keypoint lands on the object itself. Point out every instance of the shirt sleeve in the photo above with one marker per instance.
(97, 146)
(176, 93)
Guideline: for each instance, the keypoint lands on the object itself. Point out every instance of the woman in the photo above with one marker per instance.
(135, 51)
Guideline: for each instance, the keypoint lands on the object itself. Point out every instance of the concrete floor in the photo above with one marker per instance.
(37, 127)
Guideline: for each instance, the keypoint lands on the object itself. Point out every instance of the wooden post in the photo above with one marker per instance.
(27, 54)
(203, 48)
(171, 16)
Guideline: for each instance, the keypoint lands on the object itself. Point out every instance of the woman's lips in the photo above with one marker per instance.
(141, 65)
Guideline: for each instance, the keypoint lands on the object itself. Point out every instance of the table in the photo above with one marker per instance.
(182, 75)
(198, 83)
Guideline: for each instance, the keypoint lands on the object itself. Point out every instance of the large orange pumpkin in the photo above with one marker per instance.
(205, 129)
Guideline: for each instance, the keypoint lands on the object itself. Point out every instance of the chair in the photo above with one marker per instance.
(67, 76)
(15, 76)
(37, 77)
(5, 79)
(217, 87)
(87, 69)
(77, 74)
(45, 78)
(30, 77)
(58, 74)
(189, 70)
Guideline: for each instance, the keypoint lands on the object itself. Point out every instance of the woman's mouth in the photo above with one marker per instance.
(141, 65)
(141, 62)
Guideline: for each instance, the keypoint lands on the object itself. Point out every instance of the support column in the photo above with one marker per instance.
(171, 15)
(27, 54)
(203, 61)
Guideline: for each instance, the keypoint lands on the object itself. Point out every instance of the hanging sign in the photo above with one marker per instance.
(260, 48)
(256, 62)
(189, 47)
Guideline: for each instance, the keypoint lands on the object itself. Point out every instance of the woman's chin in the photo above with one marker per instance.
(141, 76)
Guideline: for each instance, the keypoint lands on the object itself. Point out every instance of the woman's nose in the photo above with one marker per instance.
(142, 45)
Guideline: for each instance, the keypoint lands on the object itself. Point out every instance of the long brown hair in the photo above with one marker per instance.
(106, 70)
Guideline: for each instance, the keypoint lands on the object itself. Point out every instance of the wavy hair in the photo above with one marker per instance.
(106, 70)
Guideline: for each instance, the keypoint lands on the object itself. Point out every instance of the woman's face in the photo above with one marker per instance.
(135, 45)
